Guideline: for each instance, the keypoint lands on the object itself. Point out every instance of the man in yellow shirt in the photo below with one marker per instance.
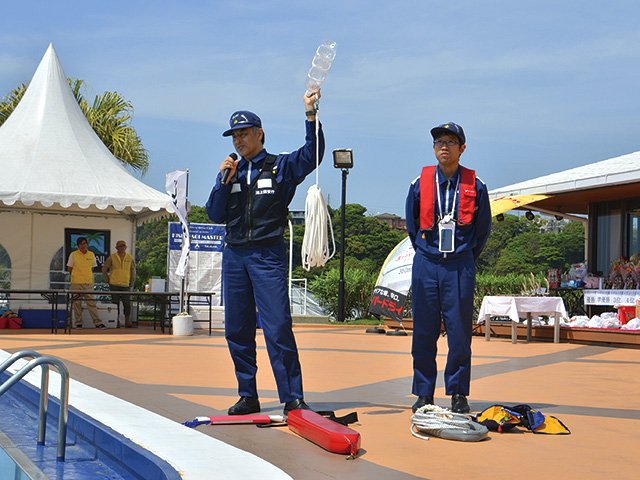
(80, 264)
(120, 273)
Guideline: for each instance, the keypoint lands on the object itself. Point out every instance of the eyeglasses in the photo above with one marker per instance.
(448, 143)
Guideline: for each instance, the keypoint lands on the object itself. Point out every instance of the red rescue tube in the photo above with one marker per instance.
(244, 419)
(323, 432)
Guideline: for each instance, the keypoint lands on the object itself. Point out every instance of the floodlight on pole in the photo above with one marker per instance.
(342, 159)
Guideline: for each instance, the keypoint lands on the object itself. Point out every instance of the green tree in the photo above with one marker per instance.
(369, 241)
(151, 251)
(571, 243)
(5, 269)
(520, 255)
(358, 285)
(501, 234)
(10, 101)
(533, 251)
(298, 235)
(110, 117)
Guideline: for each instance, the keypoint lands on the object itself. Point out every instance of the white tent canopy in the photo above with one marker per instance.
(57, 177)
(51, 157)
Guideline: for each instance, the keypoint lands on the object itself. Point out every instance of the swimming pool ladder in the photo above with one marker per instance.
(43, 361)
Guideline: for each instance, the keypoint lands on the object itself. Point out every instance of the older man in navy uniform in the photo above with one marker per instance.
(251, 196)
(448, 220)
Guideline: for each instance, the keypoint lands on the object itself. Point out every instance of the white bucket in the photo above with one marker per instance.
(182, 325)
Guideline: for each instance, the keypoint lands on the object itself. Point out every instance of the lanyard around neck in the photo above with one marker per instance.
(455, 194)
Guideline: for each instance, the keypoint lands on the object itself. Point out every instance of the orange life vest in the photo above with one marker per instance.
(466, 203)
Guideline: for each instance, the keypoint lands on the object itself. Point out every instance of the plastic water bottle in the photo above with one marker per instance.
(320, 65)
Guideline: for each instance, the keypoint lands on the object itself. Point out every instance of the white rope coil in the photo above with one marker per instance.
(435, 421)
(315, 244)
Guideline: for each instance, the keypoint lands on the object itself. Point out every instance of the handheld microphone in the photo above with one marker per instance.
(225, 173)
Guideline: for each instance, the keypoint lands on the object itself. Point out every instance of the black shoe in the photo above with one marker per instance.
(459, 404)
(101, 325)
(245, 406)
(421, 402)
(295, 405)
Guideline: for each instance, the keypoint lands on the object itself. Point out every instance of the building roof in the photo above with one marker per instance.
(51, 157)
(387, 215)
(572, 190)
(613, 171)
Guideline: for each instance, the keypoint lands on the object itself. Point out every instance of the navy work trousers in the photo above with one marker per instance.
(442, 291)
(256, 277)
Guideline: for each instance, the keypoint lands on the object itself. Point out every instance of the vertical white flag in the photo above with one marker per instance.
(176, 186)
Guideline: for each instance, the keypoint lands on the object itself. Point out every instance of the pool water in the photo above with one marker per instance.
(9, 468)
(20, 425)
(14, 464)
(93, 450)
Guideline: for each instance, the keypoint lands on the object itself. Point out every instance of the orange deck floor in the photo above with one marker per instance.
(594, 390)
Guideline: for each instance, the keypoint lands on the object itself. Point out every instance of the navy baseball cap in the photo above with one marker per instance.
(451, 128)
(242, 119)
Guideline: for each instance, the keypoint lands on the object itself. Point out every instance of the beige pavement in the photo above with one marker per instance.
(594, 390)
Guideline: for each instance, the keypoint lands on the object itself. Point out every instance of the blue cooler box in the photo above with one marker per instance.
(40, 318)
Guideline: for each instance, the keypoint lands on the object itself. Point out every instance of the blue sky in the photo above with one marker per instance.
(539, 86)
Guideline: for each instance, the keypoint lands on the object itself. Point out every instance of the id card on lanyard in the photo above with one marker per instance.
(447, 224)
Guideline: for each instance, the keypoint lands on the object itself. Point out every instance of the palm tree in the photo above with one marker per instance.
(10, 102)
(109, 116)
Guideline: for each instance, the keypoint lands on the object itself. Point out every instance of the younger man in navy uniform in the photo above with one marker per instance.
(253, 202)
(448, 221)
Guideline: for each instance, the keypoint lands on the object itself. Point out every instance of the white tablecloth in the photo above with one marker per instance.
(522, 307)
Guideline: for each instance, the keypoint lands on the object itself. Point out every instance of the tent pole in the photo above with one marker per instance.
(31, 254)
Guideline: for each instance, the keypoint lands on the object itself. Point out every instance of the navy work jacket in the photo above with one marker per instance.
(290, 170)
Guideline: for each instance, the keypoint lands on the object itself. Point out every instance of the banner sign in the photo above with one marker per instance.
(205, 259)
(394, 282)
(176, 186)
(396, 270)
(610, 297)
(387, 302)
(205, 237)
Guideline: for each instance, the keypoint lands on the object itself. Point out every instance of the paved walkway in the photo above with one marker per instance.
(594, 390)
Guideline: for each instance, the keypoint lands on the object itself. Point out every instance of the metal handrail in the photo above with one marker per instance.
(42, 413)
(45, 362)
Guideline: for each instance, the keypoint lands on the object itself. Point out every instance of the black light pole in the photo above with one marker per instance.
(343, 159)
(345, 172)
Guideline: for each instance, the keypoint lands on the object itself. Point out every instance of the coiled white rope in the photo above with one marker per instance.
(435, 421)
(315, 244)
